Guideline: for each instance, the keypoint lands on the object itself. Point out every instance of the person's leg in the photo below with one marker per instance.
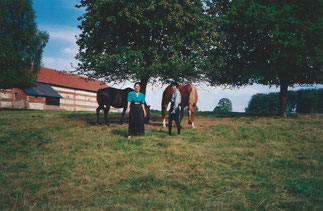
(170, 126)
(136, 120)
(141, 121)
(170, 120)
(131, 122)
(177, 120)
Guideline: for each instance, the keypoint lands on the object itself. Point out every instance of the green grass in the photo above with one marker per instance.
(62, 160)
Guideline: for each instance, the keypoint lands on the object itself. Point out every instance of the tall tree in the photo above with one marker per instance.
(21, 44)
(224, 105)
(146, 40)
(271, 42)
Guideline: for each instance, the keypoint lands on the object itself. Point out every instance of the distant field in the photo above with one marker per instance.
(62, 160)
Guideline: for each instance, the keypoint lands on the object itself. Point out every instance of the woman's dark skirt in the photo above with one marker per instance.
(136, 120)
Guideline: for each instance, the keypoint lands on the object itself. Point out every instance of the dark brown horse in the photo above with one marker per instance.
(189, 98)
(117, 98)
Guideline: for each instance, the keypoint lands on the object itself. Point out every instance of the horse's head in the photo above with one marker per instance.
(147, 108)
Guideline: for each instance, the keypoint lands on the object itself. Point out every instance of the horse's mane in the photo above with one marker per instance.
(193, 96)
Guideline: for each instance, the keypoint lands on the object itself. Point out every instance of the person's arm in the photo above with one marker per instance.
(143, 105)
(143, 108)
(128, 107)
(129, 103)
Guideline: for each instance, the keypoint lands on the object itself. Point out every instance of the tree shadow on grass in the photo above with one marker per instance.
(120, 132)
(156, 132)
(90, 117)
(114, 118)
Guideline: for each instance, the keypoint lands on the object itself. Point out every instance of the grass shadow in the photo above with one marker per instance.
(155, 132)
(120, 132)
(90, 117)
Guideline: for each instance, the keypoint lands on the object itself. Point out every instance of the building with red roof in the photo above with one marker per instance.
(64, 79)
(55, 90)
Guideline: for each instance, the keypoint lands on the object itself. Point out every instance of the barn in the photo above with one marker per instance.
(55, 90)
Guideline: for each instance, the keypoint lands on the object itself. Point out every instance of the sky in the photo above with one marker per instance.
(59, 19)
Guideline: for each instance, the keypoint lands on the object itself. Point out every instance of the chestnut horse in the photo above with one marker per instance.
(189, 98)
(117, 98)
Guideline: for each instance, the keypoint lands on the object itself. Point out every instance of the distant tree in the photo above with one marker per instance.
(263, 104)
(144, 41)
(310, 101)
(268, 42)
(301, 101)
(154, 111)
(21, 44)
(197, 109)
(224, 105)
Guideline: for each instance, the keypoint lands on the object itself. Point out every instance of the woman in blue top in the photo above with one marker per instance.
(136, 111)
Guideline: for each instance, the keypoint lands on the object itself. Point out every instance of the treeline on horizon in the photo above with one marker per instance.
(300, 101)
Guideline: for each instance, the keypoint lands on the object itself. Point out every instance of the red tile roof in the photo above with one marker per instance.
(65, 79)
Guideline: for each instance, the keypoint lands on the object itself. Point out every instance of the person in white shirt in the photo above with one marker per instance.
(174, 111)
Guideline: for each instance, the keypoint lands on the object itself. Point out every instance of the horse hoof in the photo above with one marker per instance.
(121, 123)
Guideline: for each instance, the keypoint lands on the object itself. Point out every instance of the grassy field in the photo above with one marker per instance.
(62, 160)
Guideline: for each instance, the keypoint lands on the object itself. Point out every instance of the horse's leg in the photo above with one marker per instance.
(182, 114)
(192, 120)
(192, 117)
(191, 113)
(106, 112)
(164, 113)
(98, 114)
(122, 115)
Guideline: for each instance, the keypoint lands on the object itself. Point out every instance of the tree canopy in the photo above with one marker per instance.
(268, 42)
(21, 44)
(224, 105)
(145, 40)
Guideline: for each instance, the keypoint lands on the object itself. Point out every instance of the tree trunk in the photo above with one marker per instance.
(283, 99)
(143, 86)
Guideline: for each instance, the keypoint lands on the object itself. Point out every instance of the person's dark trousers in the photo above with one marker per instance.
(136, 120)
(176, 118)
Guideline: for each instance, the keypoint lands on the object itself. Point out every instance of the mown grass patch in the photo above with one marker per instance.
(62, 160)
